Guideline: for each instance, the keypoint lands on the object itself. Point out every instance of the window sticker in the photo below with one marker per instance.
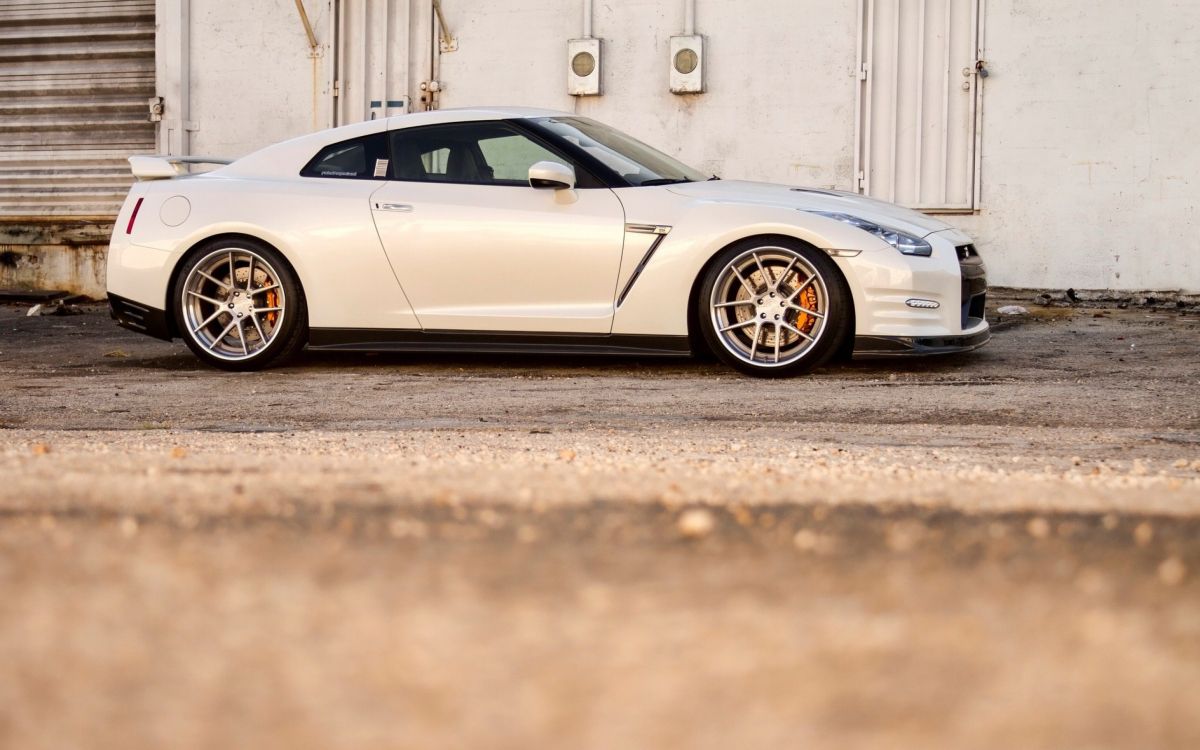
(381, 167)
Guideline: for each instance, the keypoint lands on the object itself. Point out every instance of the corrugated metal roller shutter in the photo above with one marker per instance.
(75, 77)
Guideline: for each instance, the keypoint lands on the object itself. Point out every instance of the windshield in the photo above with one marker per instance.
(636, 162)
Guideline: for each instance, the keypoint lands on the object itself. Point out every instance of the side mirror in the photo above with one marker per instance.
(551, 174)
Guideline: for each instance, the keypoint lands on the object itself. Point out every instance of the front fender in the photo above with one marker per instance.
(658, 301)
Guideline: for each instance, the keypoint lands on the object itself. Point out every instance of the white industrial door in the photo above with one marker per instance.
(75, 79)
(373, 60)
(919, 98)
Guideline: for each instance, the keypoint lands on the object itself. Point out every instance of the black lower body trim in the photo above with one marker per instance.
(494, 342)
(138, 317)
(919, 346)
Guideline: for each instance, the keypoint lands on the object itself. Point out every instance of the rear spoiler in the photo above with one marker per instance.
(165, 167)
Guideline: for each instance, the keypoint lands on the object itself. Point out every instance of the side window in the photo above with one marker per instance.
(510, 157)
(363, 158)
(435, 162)
(472, 153)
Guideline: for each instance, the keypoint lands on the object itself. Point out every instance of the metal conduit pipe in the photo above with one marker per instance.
(185, 78)
(689, 17)
(308, 29)
(587, 19)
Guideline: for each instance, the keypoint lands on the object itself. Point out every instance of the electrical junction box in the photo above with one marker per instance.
(583, 67)
(687, 64)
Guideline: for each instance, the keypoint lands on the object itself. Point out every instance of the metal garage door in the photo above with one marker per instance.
(75, 77)
(918, 102)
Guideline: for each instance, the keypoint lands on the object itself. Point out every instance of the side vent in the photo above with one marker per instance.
(660, 233)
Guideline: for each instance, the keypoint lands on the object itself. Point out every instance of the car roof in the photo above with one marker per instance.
(468, 114)
(287, 158)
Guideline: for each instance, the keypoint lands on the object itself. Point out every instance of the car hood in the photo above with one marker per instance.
(813, 199)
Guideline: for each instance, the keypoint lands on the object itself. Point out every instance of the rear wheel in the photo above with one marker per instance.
(774, 307)
(239, 306)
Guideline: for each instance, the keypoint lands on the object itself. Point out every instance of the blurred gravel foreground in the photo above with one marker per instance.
(996, 550)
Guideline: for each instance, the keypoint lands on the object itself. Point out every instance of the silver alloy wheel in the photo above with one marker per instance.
(769, 306)
(233, 303)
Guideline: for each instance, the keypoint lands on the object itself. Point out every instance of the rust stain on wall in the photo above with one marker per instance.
(66, 255)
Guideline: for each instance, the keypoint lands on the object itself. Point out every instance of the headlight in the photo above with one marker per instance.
(905, 243)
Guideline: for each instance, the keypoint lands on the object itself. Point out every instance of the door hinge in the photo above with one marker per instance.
(862, 72)
(337, 89)
(862, 180)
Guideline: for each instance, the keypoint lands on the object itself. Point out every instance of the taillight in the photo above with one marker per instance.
(133, 216)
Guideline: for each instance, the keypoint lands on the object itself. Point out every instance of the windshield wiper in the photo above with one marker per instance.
(714, 177)
(663, 181)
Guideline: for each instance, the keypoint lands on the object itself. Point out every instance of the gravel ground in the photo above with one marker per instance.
(994, 550)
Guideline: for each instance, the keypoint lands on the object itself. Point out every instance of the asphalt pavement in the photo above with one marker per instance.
(991, 550)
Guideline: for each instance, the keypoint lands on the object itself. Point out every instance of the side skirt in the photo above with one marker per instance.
(495, 342)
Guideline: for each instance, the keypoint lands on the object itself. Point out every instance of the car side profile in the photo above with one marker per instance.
(521, 230)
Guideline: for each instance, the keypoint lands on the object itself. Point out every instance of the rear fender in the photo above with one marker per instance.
(322, 227)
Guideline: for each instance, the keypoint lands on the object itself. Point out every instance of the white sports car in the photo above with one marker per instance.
(518, 230)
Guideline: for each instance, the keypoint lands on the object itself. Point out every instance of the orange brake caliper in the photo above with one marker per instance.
(807, 299)
(272, 301)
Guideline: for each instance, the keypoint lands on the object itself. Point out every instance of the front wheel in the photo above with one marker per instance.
(774, 307)
(239, 306)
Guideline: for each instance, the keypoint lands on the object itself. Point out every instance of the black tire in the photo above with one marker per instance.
(284, 337)
(723, 293)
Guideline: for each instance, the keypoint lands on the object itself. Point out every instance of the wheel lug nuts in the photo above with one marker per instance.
(772, 294)
(764, 315)
(230, 305)
(776, 317)
(239, 315)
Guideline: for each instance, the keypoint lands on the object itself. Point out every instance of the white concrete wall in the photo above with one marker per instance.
(254, 79)
(780, 92)
(1089, 172)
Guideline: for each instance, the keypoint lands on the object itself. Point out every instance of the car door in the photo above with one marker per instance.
(475, 247)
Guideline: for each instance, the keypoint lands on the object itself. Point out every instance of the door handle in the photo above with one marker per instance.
(393, 207)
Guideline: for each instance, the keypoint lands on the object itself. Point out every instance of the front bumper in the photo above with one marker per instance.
(956, 278)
